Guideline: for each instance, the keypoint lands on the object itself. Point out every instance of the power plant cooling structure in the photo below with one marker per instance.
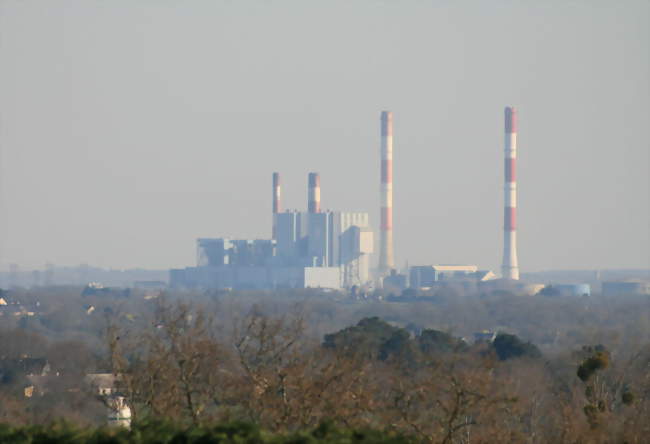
(386, 261)
(510, 267)
(277, 205)
(313, 193)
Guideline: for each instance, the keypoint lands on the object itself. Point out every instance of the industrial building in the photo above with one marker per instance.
(332, 249)
(312, 249)
(512, 286)
(622, 288)
(573, 289)
(255, 277)
(329, 239)
(427, 276)
(395, 282)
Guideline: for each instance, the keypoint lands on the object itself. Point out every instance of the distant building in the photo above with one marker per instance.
(311, 250)
(625, 287)
(119, 414)
(485, 336)
(101, 383)
(98, 289)
(427, 276)
(326, 249)
(510, 286)
(573, 289)
(256, 277)
(395, 281)
(329, 239)
(234, 252)
(150, 285)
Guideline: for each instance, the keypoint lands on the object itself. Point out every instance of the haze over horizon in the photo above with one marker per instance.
(129, 129)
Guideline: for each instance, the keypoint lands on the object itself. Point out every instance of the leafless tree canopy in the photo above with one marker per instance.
(560, 370)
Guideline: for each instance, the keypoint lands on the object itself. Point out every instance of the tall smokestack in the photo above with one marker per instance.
(277, 203)
(510, 267)
(386, 262)
(313, 193)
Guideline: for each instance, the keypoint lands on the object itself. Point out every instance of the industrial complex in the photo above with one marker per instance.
(317, 249)
(346, 250)
(332, 249)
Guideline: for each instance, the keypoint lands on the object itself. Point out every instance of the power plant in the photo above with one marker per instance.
(312, 249)
(331, 249)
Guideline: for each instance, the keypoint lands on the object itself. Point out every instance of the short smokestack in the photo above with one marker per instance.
(276, 193)
(313, 193)
(510, 267)
(277, 203)
(386, 260)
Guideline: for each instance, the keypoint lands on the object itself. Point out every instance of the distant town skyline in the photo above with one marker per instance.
(129, 129)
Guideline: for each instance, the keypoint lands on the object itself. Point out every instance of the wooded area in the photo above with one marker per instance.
(562, 370)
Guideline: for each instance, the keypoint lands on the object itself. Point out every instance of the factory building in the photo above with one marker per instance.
(426, 276)
(329, 239)
(625, 288)
(222, 251)
(290, 244)
(395, 282)
(325, 239)
(512, 286)
(573, 289)
(310, 249)
(255, 277)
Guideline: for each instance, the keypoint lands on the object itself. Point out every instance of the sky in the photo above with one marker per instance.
(129, 128)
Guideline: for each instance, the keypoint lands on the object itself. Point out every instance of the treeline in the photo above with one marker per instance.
(290, 363)
(553, 323)
(427, 384)
(169, 433)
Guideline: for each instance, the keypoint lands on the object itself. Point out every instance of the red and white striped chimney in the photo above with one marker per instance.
(313, 193)
(510, 267)
(386, 261)
(277, 202)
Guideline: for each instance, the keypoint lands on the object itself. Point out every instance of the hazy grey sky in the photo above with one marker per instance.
(130, 128)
